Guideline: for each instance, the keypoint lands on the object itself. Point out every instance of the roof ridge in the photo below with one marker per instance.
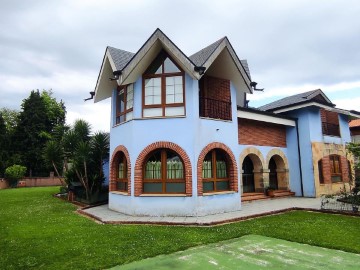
(201, 56)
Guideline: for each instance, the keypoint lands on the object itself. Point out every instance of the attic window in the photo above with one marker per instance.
(163, 88)
(330, 123)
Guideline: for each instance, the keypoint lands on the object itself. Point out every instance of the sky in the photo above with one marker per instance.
(291, 46)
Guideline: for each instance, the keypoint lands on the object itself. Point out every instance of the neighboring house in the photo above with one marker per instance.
(184, 143)
(323, 132)
(355, 130)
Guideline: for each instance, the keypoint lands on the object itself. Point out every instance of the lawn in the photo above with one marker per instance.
(42, 232)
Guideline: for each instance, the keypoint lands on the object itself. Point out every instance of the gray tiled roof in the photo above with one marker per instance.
(120, 57)
(201, 56)
(295, 99)
(246, 66)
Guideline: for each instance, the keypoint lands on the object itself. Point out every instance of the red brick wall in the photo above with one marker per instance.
(233, 172)
(251, 132)
(113, 167)
(215, 88)
(327, 169)
(168, 145)
(329, 117)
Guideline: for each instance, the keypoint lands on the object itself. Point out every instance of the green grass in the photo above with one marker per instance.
(41, 232)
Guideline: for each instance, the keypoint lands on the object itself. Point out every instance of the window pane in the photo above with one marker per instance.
(121, 186)
(335, 179)
(156, 67)
(221, 171)
(129, 96)
(121, 101)
(129, 116)
(206, 170)
(153, 187)
(152, 91)
(175, 187)
(222, 185)
(174, 90)
(153, 112)
(208, 186)
(174, 167)
(174, 111)
(153, 166)
(169, 66)
(122, 170)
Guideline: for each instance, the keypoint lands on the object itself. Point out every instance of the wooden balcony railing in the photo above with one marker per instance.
(217, 109)
(330, 129)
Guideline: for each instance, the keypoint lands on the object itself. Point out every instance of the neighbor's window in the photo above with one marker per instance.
(124, 103)
(121, 177)
(215, 172)
(164, 173)
(321, 175)
(163, 88)
(335, 169)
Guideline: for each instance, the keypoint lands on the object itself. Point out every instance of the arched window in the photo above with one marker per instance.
(164, 173)
(121, 173)
(215, 172)
(335, 168)
(163, 88)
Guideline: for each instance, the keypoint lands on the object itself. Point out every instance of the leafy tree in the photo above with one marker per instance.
(41, 118)
(10, 117)
(14, 173)
(3, 145)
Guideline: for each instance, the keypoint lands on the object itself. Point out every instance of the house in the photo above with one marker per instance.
(183, 141)
(355, 130)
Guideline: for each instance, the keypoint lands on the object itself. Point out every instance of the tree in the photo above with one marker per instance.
(41, 118)
(10, 117)
(3, 145)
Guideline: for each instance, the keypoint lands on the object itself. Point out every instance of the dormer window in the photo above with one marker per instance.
(163, 88)
(124, 103)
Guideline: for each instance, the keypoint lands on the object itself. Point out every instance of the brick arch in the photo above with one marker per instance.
(279, 157)
(154, 146)
(256, 157)
(113, 167)
(233, 171)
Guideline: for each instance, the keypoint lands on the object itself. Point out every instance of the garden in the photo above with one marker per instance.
(40, 231)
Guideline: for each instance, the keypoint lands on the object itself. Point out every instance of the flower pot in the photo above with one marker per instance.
(270, 193)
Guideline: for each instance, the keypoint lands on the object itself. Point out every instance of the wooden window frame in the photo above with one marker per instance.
(118, 113)
(122, 158)
(215, 179)
(163, 77)
(163, 180)
(332, 168)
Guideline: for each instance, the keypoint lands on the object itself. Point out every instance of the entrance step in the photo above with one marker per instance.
(253, 196)
(245, 197)
(284, 193)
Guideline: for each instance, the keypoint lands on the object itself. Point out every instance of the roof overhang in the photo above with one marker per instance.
(266, 117)
(103, 81)
(351, 114)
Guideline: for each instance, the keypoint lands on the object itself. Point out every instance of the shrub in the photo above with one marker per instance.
(14, 173)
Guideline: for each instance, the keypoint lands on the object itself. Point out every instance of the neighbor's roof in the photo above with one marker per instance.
(127, 63)
(354, 123)
(310, 96)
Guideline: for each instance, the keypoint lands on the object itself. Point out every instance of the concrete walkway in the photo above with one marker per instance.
(249, 210)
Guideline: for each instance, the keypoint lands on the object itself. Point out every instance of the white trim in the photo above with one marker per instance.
(332, 109)
(266, 118)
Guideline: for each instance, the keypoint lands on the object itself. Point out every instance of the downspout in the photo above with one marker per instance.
(300, 166)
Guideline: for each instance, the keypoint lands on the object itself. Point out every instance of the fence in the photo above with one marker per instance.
(33, 182)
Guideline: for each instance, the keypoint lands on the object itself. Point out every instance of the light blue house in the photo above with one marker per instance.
(184, 143)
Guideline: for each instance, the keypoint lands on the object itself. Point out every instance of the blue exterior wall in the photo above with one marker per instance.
(294, 161)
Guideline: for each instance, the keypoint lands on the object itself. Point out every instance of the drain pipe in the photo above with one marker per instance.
(299, 154)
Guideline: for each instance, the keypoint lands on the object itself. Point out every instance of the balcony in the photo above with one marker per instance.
(330, 129)
(216, 109)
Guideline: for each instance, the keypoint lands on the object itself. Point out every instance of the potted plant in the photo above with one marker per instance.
(270, 191)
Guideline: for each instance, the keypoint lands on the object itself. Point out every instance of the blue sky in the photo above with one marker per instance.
(291, 46)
